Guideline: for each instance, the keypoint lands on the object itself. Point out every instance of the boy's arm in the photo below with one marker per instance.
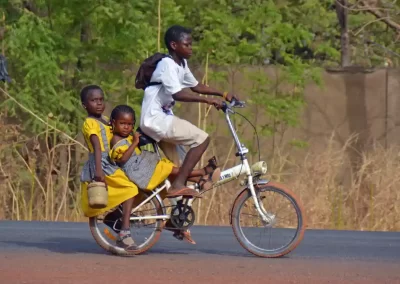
(185, 96)
(172, 86)
(204, 89)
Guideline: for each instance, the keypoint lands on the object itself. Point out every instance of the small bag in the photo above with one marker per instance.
(97, 195)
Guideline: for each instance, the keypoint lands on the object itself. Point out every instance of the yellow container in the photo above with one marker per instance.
(97, 195)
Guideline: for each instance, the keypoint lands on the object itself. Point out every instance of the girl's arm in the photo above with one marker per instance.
(99, 174)
(128, 153)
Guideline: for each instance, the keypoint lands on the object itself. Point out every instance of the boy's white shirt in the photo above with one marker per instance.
(155, 119)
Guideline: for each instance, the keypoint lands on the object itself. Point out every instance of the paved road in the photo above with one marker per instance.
(47, 252)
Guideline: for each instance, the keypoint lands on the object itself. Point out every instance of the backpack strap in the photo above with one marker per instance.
(157, 83)
(152, 84)
(150, 65)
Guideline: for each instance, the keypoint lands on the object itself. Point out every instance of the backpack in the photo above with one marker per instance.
(146, 70)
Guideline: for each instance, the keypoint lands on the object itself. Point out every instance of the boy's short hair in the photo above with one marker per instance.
(175, 33)
(87, 90)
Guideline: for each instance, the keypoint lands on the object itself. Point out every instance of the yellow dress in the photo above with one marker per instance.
(120, 188)
(149, 170)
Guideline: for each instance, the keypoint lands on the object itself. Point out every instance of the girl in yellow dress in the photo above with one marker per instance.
(97, 134)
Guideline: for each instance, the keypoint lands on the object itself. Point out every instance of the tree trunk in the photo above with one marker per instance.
(342, 15)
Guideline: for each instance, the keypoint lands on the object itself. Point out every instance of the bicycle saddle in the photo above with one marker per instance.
(144, 139)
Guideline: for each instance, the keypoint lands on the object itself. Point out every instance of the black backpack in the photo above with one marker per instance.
(146, 70)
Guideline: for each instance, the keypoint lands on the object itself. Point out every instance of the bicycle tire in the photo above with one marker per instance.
(112, 248)
(238, 232)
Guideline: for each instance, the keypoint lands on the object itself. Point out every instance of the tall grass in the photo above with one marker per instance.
(336, 193)
(339, 193)
(37, 176)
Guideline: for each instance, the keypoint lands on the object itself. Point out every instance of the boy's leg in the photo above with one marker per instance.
(184, 133)
(171, 152)
(190, 161)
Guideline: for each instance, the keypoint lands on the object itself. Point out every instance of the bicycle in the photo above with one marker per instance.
(182, 216)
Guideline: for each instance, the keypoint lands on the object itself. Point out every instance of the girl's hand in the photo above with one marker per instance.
(136, 137)
(99, 176)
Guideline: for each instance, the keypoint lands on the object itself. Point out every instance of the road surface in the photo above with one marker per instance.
(49, 252)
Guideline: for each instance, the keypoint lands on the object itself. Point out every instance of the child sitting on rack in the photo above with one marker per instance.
(144, 168)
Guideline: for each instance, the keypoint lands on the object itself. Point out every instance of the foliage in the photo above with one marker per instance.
(55, 47)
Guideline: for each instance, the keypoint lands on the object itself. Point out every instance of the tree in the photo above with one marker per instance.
(342, 15)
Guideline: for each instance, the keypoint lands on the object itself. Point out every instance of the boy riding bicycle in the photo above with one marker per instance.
(157, 120)
(168, 81)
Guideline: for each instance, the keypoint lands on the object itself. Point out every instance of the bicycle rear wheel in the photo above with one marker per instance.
(287, 221)
(145, 233)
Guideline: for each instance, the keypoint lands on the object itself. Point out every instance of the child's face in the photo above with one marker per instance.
(183, 48)
(123, 125)
(95, 103)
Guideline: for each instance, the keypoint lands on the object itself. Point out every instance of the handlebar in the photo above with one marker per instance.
(233, 104)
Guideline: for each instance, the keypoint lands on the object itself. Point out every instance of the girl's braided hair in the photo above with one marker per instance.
(122, 109)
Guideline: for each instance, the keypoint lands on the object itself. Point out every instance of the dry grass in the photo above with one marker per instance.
(37, 176)
(336, 193)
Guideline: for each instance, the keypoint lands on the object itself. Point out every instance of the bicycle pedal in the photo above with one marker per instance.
(178, 236)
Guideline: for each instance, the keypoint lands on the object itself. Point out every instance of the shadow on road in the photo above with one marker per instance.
(79, 245)
(62, 245)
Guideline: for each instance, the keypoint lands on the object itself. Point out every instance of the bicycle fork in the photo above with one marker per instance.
(265, 216)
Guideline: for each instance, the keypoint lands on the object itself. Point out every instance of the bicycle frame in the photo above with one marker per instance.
(245, 169)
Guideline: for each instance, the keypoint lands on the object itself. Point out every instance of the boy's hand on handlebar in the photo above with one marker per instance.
(229, 97)
(215, 102)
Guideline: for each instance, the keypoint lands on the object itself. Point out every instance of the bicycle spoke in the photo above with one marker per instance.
(272, 236)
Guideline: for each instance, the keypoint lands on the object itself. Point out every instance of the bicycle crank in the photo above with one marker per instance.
(182, 216)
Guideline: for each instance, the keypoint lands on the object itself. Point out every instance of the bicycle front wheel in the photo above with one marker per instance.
(273, 239)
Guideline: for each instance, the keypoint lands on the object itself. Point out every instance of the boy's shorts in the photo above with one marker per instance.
(184, 133)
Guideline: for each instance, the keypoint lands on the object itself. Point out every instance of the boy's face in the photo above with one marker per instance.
(123, 124)
(183, 48)
(94, 103)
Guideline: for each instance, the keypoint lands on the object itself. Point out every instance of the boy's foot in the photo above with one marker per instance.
(179, 234)
(207, 181)
(184, 235)
(184, 191)
(212, 174)
(125, 241)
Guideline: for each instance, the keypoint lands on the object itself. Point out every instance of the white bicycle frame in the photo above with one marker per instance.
(245, 169)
